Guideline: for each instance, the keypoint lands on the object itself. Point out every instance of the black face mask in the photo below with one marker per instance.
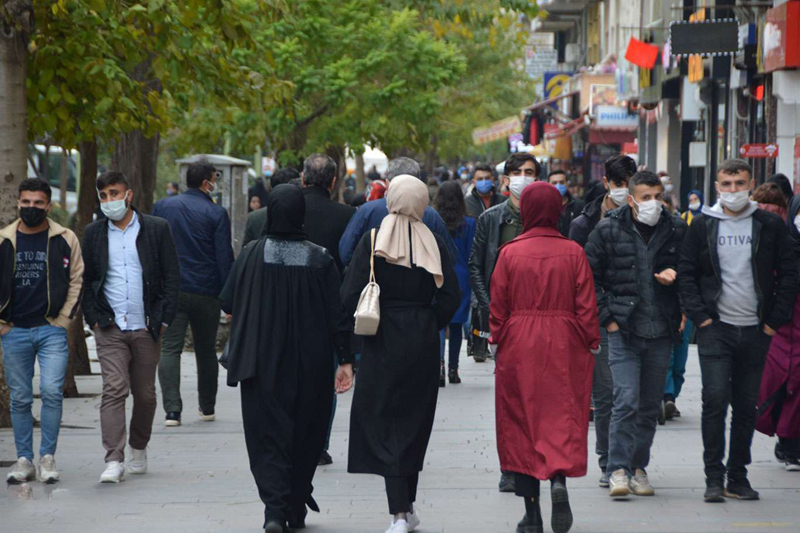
(32, 216)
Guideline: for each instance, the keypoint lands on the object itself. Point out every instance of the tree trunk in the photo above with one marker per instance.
(361, 175)
(13, 136)
(338, 154)
(63, 179)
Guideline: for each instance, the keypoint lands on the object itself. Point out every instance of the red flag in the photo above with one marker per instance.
(641, 54)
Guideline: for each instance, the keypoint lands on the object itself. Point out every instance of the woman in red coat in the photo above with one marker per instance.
(544, 322)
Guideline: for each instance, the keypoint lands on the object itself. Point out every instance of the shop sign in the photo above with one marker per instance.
(612, 116)
(708, 37)
(496, 130)
(759, 150)
(554, 84)
(540, 54)
(781, 37)
(601, 94)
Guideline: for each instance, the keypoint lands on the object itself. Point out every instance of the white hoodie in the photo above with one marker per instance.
(738, 302)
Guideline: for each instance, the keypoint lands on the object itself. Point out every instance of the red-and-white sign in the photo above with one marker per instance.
(759, 150)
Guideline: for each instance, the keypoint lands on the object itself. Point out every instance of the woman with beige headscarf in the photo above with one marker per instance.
(398, 378)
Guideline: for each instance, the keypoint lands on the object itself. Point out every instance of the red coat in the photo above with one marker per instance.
(544, 321)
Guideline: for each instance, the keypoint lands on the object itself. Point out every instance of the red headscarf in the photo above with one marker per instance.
(540, 206)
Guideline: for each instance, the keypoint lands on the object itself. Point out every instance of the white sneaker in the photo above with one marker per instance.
(205, 417)
(401, 526)
(114, 472)
(413, 519)
(47, 469)
(22, 471)
(138, 461)
(640, 485)
(619, 484)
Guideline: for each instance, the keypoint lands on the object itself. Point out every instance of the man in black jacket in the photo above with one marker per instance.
(484, 193)
(130, 285)
(619, 170)
(572, 206)
(257, 219)
(737, 279)
(634, 256)
(495, 227)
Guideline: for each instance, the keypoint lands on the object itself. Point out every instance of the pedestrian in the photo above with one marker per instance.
(603, 197)
(495, 227)
(435, 181)
(544, 321)
(670, 197)
(324, 222)
(738, 283)
(371, 214)
(451, 207)
(202, 233)
(634, 257)
(41, 269)
(394, 403)
(254, 204)
(173, 188)
(572, 207)
(130, 295)
(784, 184)
(254, 225)
(484, 194)
(259, 188)
(779, 397)
(770, 198)
(376, 189)
(281, 286)
(695, 202)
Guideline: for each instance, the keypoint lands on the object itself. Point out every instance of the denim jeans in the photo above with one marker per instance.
(677, 363)
(731, 362)
(603, 399)
(639, 368)
(21, 348)
(454, 348)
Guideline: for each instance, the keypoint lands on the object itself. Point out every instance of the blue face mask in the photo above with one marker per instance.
(562, 189)
(484, 186)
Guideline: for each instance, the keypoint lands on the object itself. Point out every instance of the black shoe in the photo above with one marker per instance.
(740, 489)
(525, 526)
(669, 409)
(452, 376)
(713, 493)
(561, 519)
(780, 455)
(662, 416)
(298, 519)
(325, 459)
(273, 526)
(507, 482)
(591, 414)
(172, 419)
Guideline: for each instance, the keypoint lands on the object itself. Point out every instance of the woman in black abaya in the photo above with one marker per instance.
(398, 377)
(282, 287)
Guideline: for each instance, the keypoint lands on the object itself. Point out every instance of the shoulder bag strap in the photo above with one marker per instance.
(372, 258)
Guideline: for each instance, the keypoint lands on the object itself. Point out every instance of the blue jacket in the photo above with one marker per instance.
(371, 214)
(202, 233)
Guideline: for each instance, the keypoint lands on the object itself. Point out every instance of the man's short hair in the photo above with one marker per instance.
(731, 167)
(483, 167)
(402, 165)
(556, 173)
(319, 170)
(644, 177)
(34, 185)
(199, 172)
(620, 169)
(516, 161)
(112, 177)
(284, 175)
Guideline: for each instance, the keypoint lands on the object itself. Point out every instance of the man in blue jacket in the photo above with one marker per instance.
(202, 233)
(371, 214)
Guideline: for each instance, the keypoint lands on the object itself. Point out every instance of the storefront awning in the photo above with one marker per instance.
(612, 135)
(544, 103)
(566, 129)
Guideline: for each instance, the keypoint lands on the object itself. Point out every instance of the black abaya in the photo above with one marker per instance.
(398, 377)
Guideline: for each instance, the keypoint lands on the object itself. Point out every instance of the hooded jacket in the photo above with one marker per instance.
(475, 205)
(64, 273)
(773, 267)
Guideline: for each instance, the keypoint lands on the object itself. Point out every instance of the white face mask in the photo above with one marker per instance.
(518, 183)
(797, 222)
(735, 201)
(694, 206)
(618, 196)
(115, 210)
(212, 187)
(648, 212)
(667, 185)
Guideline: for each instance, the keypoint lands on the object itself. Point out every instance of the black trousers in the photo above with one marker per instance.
(284, 444)
(401, 492)
(526, 486)
(731, 362)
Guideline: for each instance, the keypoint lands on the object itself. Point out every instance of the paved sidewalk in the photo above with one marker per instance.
(199, 478)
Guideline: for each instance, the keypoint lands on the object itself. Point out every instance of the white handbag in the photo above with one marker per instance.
(368, 310)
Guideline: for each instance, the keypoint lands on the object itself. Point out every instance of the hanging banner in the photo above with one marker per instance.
(496, 130)
(761, 151)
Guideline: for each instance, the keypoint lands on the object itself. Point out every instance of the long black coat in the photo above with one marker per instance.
(394, 403)
(326, 220)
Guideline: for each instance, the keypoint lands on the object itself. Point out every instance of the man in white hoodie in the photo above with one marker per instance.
(737, 281)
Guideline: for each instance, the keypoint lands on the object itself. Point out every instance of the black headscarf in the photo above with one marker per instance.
(783, 182)
(286, 210)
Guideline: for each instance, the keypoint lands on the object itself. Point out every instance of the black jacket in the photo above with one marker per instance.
(774, 269)
(572, 210)
(160, 273)
(485, 249)
(582, 226)
(611, 251)
(326, 220)
(254, 225)
(475, 205)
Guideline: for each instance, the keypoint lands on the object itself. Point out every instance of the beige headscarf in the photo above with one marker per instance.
(407, 198)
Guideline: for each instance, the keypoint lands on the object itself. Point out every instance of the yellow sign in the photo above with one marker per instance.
(496, 130)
